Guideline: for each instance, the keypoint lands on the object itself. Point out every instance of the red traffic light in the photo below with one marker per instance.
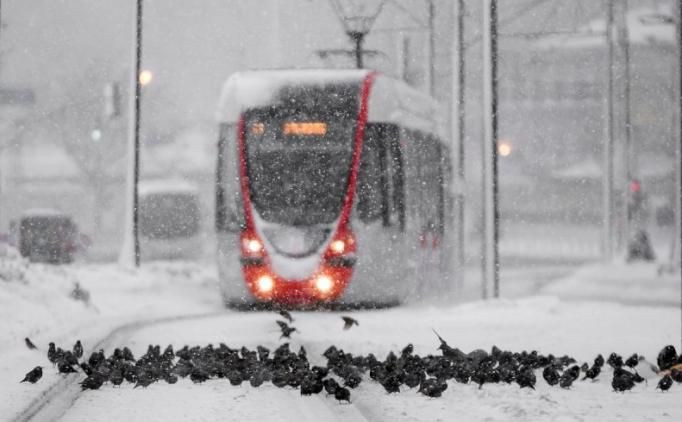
(635, 186)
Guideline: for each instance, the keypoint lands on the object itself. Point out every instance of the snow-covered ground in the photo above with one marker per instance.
(599, 309)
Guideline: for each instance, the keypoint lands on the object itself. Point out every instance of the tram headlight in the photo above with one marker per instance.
(324, 284)
(253, 245)
(265, 283)
(338, 246)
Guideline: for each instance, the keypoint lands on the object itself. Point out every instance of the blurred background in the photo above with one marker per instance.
(65, 66)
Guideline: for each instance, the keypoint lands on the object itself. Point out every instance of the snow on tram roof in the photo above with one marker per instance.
(256, 88)
(391, 100)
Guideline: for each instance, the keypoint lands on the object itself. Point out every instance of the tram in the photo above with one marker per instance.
(332, 187)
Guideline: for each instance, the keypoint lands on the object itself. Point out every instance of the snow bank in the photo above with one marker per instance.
(638, 282)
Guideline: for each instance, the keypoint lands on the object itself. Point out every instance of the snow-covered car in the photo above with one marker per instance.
(46, 235)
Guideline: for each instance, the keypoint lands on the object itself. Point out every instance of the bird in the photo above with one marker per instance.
(65, 368)
(286, 329)
(451, 353)
(526, 377)
(665, 383)
(667, 357)
(29, 344)
(348, 322)
(622, 380)
(33, 375)
(342, 394)
(433, 387)
(599, 361)
(286, 315)
(78, 349)
(52, 353)
(592, 373)
(632, 361)
(551, 375)
(92, 382)
(615, 360)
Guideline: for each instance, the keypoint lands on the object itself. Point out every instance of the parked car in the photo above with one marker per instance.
(45, 235)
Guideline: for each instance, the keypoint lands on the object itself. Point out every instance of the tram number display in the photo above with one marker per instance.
(304, 128)
(292, 128)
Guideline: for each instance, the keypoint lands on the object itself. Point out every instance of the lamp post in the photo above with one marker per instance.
(491, 263)
(357, 18)
(130, 250)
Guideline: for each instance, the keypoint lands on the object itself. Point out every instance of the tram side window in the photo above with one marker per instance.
(369, 184)
(396, 188)
(229, 211)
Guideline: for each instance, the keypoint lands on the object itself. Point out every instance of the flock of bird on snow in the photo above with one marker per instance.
(344, 371)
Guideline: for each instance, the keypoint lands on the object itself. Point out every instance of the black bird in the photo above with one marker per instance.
(342, 394)
(551, 375)
(391, 383)
(311, 385)
(286, 315)
(348, 322)
(52, 353)
(667, 358)
(592, 373)
(286, 329)
(65, 368)
(433, 387)
(622, 380)
(452, 353)
(92, 382)
(526, 377)
(29, 344)
(599, 360)
(330, 385)
(33, 375)
(615, 360)
(257, 378)
(116, 377)
(632, 361)
(78, 349)
(86, 368)
(145, 380)
(665, 383)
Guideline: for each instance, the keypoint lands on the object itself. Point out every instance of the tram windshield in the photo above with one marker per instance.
(299, 154)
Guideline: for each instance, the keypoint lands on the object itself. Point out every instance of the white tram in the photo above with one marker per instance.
(331, 187)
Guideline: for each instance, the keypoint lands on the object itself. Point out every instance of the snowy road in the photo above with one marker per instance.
(535, 314)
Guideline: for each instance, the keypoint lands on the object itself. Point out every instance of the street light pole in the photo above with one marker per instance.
(679, 138)
(357, 37)
(491, 264)
(131, 241)
(607, 176)
(458, 133)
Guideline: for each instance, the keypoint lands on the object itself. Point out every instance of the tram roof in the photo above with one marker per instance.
(391, 100)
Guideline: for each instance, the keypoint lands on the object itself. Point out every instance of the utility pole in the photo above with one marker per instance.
(458, 133)
(624, 40)
(607, 173)
(432, 49)
(491, 264)
(679, 137)
(131, 241)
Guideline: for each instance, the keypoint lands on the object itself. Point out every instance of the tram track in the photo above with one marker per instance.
(54, 403)
(51, 404)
